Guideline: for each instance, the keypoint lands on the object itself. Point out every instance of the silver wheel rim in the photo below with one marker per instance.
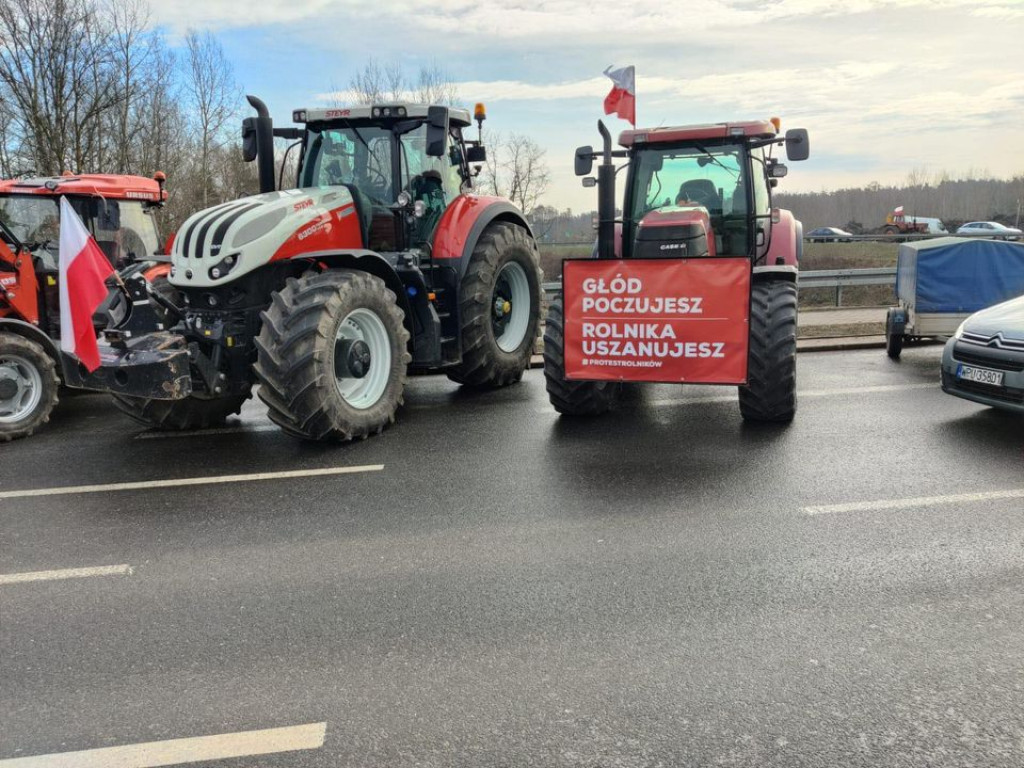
(510, 307)
(29, 388)
(364, 325)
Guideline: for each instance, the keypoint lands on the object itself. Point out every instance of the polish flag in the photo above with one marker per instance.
(83, 270)
(899, 211)
(622, 98)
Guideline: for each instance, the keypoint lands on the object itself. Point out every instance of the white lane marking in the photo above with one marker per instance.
(205, 432)
(177, 751)
(71, 489)
(67, 573)
(731, 398)
(920, 501)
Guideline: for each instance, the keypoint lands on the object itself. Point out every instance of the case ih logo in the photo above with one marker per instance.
(307, 203)
(331, 113)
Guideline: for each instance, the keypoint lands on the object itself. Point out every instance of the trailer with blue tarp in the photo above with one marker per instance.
(940, 282)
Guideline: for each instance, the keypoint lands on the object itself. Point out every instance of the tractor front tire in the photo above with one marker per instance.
(571, 398)
(28, 386)
(770, 393)
(188, 413)
(499, 303)
(333, 356)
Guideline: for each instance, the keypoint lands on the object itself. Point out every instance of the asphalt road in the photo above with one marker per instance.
(494, 586)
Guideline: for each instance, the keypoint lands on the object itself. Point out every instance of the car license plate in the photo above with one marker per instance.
(980, 375)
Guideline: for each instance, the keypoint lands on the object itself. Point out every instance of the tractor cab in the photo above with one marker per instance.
(702, 190)
(117, 211)
(402, 163)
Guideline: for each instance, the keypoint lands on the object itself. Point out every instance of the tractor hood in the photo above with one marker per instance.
(220, 244)
(674, 232)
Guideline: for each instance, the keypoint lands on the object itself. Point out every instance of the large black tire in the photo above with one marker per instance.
(185, 414)
(296, 356)
(770, 393)
(489, 359)
(28, 386)
(571, 398)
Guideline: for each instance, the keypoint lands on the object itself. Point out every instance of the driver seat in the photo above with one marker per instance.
(702, 192)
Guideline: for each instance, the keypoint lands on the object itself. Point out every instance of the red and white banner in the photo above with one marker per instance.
(669, 320)
(621, 100)
(83, 270)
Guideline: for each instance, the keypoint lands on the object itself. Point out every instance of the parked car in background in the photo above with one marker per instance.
(984, 361)
(828, 235)
(990, 229)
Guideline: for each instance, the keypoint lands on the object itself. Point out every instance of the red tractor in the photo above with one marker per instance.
(697, 283)
(379, 263)
(117, 210)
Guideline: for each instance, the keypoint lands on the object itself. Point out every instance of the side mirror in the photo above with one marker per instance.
(584, 160)
(798, 145)
(249, 144)
(476, 154)
(437, 131)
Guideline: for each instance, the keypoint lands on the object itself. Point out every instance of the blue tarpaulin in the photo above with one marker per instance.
(950, 274)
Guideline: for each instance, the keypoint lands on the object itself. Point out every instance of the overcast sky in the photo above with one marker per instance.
(885, 87)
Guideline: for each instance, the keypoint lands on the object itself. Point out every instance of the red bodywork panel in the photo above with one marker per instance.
(19, 290)
(761, 129)
(338, 229)
(784, 243)
(668, 320)
(457, 222)
(103, 185)
(675, 216)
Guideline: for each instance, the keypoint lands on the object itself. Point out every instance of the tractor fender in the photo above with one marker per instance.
(463, 223)
(782, 272)
(786, 240)
(364, 261)
(32, 333)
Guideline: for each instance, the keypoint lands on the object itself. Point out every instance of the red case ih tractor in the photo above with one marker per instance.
(698, 281)
(117, 211)
(378, 264)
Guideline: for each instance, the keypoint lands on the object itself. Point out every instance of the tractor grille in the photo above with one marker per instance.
(207, 230)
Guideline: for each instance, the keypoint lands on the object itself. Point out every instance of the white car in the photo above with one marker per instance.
(991, 229)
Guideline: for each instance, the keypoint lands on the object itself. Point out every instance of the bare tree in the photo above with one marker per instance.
(377, 82)
(212, 97)
(58, 79)
(515, 169)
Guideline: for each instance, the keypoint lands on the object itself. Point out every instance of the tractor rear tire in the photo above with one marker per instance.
(770, 393)
(186, 414)
(309, 322)
(571, 398)
(28, 386)
(497, 342)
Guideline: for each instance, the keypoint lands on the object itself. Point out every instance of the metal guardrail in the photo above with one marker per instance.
(820, 278)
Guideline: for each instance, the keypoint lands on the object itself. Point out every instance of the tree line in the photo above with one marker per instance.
(88, 86)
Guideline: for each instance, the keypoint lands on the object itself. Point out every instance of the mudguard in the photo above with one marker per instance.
(464, 221)
(786, 241)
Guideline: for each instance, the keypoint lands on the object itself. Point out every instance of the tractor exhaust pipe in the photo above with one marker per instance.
(606, 198)
(258, 143)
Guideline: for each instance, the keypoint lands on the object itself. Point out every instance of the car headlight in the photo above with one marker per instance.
(960, 330)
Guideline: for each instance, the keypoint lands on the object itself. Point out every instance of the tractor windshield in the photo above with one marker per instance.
(356, 155)
(712, 177)
(124, 229)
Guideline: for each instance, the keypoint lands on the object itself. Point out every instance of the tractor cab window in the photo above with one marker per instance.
(712, 177)
(355, 155)
(433, 180)
(123, 229)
